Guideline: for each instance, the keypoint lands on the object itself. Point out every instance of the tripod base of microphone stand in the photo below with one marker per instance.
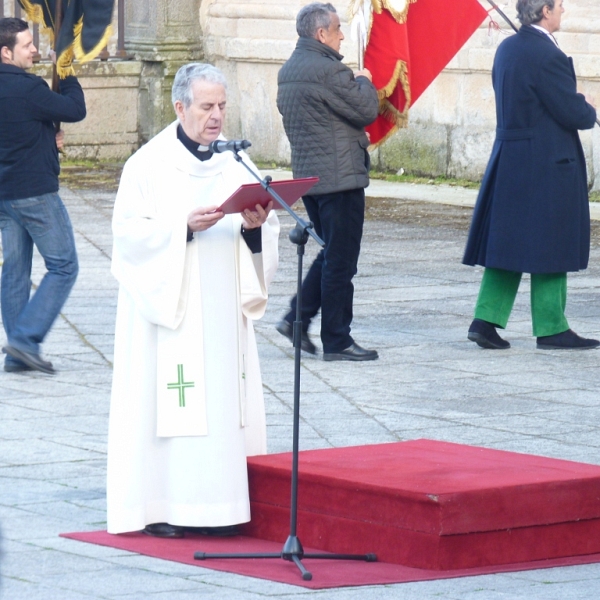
(292, 552)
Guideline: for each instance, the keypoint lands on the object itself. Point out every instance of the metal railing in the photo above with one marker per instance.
(118, 45)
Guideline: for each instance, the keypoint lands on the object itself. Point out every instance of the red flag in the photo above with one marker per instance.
(408, 49)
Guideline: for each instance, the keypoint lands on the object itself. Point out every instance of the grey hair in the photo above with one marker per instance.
(530, 11)
(185, 77)
(312, 17)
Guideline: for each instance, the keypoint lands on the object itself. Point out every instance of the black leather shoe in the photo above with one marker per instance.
(286, 329)
(223, 531)
(14, 367)
(353, 352)
(33, 361)
(567, 340)
(484, 334)
(164, 530)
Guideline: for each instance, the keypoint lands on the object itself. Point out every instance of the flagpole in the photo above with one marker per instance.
(57, 25)
(359, 28)
(503, 15)
(361, 54)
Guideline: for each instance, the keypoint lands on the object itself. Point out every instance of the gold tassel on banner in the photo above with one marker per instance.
(80, 53)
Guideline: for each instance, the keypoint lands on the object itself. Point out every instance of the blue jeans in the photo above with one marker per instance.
(338, 219)
(43, 221)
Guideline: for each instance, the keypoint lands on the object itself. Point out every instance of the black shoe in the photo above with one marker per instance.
(33, 361)
(353, 352)
(224, 531)
(164, 530)
(286, 329)
(565, 341)
(16, 367)
(484, 334)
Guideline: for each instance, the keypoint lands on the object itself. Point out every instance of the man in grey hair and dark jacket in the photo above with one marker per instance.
(325, 107)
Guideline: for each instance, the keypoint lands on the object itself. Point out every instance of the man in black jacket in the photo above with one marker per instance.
(31, 211)
(325, 107)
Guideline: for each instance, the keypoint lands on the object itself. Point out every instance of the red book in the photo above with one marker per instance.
(251, 194)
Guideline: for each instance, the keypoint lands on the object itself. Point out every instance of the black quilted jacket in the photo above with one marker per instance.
(325, 110)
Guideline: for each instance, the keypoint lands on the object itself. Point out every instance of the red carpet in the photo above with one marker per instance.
(326, 573)
(431, 505)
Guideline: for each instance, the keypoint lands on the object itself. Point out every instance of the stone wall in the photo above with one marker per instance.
(451, 127)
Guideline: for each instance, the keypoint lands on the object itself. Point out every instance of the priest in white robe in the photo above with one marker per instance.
(187, 404)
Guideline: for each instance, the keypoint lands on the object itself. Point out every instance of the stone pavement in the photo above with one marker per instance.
(414, 302)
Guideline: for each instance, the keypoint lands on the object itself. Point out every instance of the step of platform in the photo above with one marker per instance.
(430, 504)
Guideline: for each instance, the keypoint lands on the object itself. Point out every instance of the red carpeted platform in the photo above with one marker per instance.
(431, 505)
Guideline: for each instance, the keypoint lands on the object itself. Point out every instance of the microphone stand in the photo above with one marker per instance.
(292, 550)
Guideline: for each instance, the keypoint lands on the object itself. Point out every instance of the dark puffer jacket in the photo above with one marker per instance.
(325, 110)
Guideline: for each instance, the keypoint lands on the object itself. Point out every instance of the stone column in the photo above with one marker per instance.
(163, 35)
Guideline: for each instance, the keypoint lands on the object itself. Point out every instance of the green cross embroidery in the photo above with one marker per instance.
(180, 385)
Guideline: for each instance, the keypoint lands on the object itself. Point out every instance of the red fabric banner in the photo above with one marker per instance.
(405, 58)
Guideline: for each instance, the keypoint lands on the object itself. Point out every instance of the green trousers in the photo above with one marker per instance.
(548, 300)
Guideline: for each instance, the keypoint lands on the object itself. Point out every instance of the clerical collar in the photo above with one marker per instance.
(546, 32)
(199, 151)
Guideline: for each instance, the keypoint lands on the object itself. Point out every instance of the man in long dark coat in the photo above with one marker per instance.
(532, 213)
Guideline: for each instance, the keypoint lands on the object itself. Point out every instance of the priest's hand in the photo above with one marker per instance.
(204, 217)
(255, 218)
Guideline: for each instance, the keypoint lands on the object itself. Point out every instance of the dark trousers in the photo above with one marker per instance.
(338, 219)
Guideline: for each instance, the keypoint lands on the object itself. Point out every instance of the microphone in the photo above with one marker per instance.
(228, 145)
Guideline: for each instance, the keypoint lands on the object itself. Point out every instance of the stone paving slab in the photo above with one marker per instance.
(413, 302)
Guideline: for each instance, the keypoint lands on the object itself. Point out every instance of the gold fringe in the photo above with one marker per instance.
(400, 16)
(64, 63)
(400, 74)
(390, 113)
(35, 13)
(80, 53)
(350, 12)
(377, 6)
